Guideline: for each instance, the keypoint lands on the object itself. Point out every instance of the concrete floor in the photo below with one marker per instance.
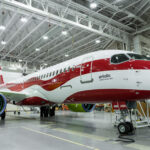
(67, 131)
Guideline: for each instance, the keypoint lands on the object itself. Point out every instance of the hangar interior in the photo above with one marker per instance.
(49, 32)
(37, 34)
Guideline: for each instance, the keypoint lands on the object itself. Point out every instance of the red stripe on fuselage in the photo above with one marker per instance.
(34, 101)
(94, 96)
(97, 66)
(108, 95)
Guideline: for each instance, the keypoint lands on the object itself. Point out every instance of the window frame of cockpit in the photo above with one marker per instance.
(120, 62)
(139, 55)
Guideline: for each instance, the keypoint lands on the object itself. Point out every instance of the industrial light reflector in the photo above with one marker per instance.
(64, 32)
(66, 55)
(3, 42)
(93, 5)
(45, 37)
(23, 19)
(37, 49)
(97, 41)
(2, 27)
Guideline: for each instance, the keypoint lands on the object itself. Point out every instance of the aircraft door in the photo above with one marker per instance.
(86, 70)
(136, 77)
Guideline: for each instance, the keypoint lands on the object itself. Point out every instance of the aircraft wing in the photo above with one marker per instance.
(16, 96)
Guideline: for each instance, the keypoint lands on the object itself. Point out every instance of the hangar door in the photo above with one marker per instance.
(86, 70)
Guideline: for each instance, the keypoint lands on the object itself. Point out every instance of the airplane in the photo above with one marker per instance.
(81, 82)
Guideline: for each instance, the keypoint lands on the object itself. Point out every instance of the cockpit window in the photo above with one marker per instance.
(138, 57)
(119, 58)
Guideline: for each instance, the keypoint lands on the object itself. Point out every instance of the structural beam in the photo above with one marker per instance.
(117, 34)
(137, 44)
(69, 47)
(15, 34)
(27, 36)
(143, 29)
(35, 42)
(121, 10)
(50, 42)
(62, 42)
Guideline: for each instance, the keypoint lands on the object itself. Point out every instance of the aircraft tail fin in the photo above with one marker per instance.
(1, 77)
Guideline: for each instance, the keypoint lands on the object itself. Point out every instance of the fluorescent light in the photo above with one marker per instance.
(118, 1)
(3, 42)
(66, 55)
(64, 32)
(45, 37)
(93, 5)
(45, 64)
(2, 27)
(23, 19)
(37, 49)
(97, 41)
(20, 60)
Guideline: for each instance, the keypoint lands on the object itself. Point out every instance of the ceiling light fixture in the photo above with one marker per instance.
(3, 42)
(2, 27)
(93, 5)
(37, 49)
(23, 19)
(97, 41)
(45, 37)
(64, 32)
(45, 64)
(20, 60)
(118, 1)
(66, 55)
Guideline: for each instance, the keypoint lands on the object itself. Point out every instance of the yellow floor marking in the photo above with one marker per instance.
(59, 138)
(138, 146)
(82, 134)
(10, 128)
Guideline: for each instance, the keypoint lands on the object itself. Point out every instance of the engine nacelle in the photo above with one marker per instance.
(81, 107)
(3, 104)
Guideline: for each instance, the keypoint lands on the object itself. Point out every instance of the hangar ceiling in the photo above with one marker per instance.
(51, 31)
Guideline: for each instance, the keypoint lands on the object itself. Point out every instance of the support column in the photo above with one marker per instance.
(128, 43)
(137, 44)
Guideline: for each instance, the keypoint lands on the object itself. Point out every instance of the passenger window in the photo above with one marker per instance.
(57, 72)
(119, 58)
(60, 70)
(64, 69)
(68, 69)
(73, 68)
(50, 74)
(53, 73)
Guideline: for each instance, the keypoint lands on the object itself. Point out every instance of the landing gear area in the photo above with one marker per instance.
(123, 120)
(47, 111)
(128, 117)
(3, 115)
(125, 128)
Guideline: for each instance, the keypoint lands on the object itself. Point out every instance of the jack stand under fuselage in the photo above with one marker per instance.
(47, 111)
